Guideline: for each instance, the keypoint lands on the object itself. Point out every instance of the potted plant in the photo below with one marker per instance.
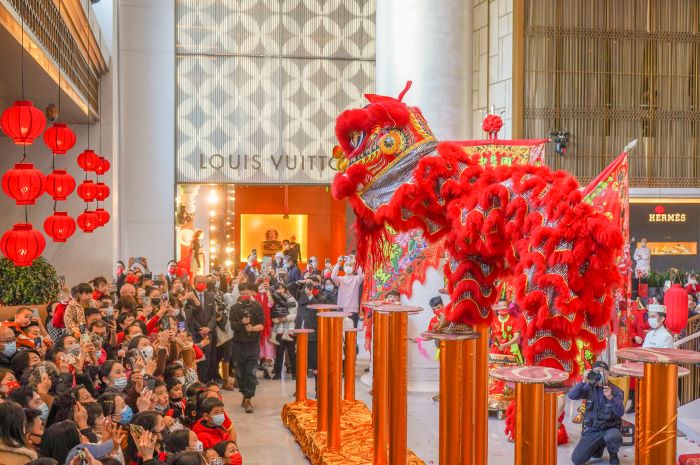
(33, 286)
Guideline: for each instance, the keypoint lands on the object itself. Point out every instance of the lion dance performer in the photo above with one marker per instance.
(524, 224)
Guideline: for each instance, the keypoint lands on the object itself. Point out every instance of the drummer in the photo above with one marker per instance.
(506, 331)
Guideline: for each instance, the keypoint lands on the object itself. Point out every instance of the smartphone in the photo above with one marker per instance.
(35, 313)
(146, 301)
(83, 457)
(69, 358)
(181, 326)
(328, 262)
(85, 337)
(165, 324)
(83, 329)
(62, 281)
(150, 384)
(136, 430)
(42, 371)
(37, 342)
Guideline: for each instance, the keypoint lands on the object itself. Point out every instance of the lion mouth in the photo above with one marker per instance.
(356, 139)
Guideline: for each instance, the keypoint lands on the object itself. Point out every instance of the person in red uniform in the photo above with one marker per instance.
(506, 331)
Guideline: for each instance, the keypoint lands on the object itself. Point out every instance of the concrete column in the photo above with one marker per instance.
(429, 43)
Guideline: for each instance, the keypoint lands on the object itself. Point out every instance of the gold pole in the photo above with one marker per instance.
(335, 380)
(380, 393)
(659, 427)
(302, 364)
(481, 392)
(398, 409)
(550, 428)
(451, 359)
(350, 359)
(322, 376)
(529, 400)
(468, 401)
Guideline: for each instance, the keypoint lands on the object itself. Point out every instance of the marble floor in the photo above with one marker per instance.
(263, 439)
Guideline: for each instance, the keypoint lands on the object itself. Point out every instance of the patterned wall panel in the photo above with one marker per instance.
(260, 82)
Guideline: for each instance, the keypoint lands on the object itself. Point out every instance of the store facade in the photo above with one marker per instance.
(258, 87)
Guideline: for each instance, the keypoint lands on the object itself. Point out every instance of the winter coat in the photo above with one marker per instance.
(15, 455)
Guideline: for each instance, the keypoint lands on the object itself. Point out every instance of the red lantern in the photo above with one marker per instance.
(59, 184)
(676, 302)
(102, 191)
(88, 160)
(87, 191)
(102, 166)
(23, 122)
(88, 221)
(660, 209)
(59, 226)
(23, 183)
(102, 216)
(59, 138)
(22, 244)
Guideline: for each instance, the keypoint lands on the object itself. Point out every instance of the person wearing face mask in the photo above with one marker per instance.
(34, 429)
(330, 291)
(171, 276)
(27, 397)
(113, 377)
(209, 429)
(120, 276)
(348, 288)
(692, 285)
(74, 316)
(658, 336)
(278, 262)
(603, 417)
(201, 313)
(13, 447)
(692, 306)
(8, 346)
(230, 453)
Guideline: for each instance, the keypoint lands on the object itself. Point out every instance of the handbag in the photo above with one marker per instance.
(224, 335)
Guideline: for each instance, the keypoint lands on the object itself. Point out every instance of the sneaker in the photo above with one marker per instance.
(614, 459)
(249, 409)
(273, 339)
(287, 337)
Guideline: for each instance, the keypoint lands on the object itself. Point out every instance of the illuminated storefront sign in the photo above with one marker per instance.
(667, 217)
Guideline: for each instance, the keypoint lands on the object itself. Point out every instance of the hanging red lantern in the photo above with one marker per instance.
(59, 226)
(88, 160)
(24, 183)
(102, 216)
(88, 221)
(59, 184)
(102, 166)
(102, 191)
(87, 191)
(676, 302)
(59, 138)
(22, 244)
(23, 122)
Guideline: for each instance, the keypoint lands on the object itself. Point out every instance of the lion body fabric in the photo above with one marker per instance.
(524, 224)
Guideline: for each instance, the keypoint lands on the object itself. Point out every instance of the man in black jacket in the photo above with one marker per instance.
(247, 320)
(201, 320)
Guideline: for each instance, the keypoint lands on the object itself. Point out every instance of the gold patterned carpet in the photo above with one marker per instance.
(356, 434)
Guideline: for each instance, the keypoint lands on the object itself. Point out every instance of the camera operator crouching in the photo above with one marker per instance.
(603, 417)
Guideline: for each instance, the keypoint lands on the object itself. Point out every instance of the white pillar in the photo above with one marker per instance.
(430, 43)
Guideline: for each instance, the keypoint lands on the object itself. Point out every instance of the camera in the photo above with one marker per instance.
(595, 378)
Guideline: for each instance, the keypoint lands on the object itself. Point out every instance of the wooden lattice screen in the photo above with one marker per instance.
(609, 71)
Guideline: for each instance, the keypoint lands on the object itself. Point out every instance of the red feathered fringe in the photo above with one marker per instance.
(509, 429)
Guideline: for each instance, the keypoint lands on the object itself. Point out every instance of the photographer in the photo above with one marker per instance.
(247, 320)
(602, 420)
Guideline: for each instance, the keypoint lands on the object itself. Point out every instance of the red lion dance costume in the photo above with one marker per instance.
(524, 224)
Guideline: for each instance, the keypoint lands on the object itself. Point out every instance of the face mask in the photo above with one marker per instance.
(217, 461)
(181, 380)
(109, 311)
(654, 323)
(218, 420)
(176, 312)
(330, 287)
(236, 459)
(175, 399)
(198, 446)
(201, 287)
(161, 408)
(98, 354)
(44, 412)
(132, 279)
(172, 270)
(348, 269)
(692, 281)
(11, 386)
(73, 349)
(119, 383)
(10, 348)
(155, 301)
(147, 352)
(127, 414)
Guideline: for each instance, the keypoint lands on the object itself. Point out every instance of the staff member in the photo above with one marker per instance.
(658, 336)
(603, 417)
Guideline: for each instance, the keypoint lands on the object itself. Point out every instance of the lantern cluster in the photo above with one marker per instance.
(93, 191)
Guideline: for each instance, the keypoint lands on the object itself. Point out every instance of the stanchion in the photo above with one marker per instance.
(549, 451)
(333, 324)
(350, 361)
(322, 375)
(481, 392)
(380, 393)
(660, 414)
(643, 391)
(529, 398)
(469, 397)
(302, 336)
(398, 408)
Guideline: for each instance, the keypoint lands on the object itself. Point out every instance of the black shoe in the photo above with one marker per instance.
(289, 370)
(277, 377)
(614, 459)
(598, 453)
(266, 374)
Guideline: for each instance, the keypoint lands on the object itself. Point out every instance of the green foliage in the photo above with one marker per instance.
(28, 285)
